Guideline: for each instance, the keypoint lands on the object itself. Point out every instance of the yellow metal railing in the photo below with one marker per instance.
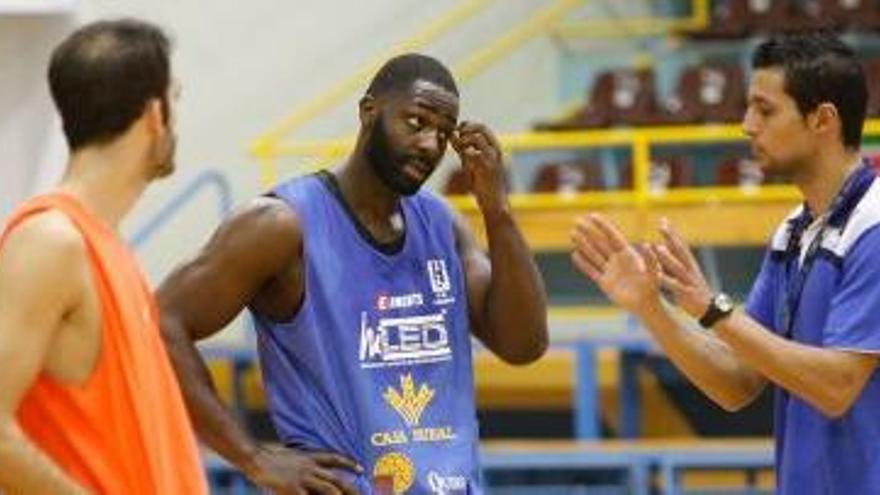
(270, 146)
(539, 23)
(640, 141)
(275, 143)
(638, 26)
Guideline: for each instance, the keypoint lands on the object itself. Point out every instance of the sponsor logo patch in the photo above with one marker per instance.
(385, 302)
(399, 468)
(404, 341)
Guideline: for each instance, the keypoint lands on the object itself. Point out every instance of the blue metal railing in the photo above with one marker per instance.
(207, 179)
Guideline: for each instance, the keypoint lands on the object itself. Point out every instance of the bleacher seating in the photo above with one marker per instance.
(619, 97)
(625, 97)
(706, 93)
(738, 18)
(569, 177)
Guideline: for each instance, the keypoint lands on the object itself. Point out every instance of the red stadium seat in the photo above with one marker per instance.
(569, 177)
(666, 173)
(707, 93)
(619, 97)
(739, 171)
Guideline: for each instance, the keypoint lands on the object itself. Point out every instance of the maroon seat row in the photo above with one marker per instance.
(739, 18)
(666, 173)
(709, 93)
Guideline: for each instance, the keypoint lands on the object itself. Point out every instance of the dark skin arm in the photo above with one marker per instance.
(253, 259)
(507, 301)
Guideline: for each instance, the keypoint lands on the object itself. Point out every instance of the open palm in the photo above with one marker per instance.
(629, 277)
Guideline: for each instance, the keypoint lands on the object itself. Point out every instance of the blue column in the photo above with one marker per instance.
(587, 414)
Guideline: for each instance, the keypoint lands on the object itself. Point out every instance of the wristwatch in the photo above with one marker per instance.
(720, 307)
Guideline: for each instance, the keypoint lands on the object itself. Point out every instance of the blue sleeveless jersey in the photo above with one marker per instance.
(377, 364)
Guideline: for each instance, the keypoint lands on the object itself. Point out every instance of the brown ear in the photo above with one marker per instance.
(368, 110)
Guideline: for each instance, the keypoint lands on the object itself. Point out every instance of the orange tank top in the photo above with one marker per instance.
(125, 430)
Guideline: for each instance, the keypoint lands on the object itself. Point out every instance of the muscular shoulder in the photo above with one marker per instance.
(42, 257)
(264, 232)
(265, 219)
(45, 238)
(267, 214)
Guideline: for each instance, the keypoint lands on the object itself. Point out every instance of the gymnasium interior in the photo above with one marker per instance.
(631, 108)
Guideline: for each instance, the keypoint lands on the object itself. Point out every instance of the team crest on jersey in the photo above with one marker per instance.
(441, 284)
(409, 402)
(408, 340)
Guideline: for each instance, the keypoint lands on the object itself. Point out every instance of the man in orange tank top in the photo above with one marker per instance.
(88, 400)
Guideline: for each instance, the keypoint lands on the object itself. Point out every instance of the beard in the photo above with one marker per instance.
(388, 164)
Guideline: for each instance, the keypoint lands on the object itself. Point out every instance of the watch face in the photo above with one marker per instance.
(724, 302)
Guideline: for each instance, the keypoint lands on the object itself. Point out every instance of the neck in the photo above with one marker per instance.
(108, 180)
(364, 191)
(822, 179)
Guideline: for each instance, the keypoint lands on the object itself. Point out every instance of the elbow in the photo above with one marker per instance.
(173, 329)
(526, 354)
(835, 398)
(836, 404)
(734, 404)
(834, 411)
(738, 399)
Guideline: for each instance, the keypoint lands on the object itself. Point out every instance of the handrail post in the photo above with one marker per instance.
(641, 158)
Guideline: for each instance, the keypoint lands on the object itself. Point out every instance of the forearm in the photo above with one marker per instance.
(821, 377)
(707, 361)
(215, 423)
(516, 309)
(24, 469)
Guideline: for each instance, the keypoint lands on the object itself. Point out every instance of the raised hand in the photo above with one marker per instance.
(681, 272)
(482, 160)
(630, 277)
(287, 471)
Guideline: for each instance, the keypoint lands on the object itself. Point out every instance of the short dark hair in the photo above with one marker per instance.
(820, 68)
(102, 76)
(399, 74)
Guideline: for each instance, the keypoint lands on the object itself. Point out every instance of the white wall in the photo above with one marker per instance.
(28, 126)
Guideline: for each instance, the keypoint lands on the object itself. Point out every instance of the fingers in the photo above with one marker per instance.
(588, 241)
(672, 284)
(671, 265)
(331, 460)
(473, 139)
(342, 486)
(650, 259)
(614, 236)
(317, 485)
(594, 236)
(586, 266)
(466, 127)
(676, 245)
(327, 461)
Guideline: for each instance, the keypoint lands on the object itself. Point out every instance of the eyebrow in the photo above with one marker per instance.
(422, 104)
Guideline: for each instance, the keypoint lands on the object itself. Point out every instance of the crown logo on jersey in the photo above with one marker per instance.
(408, 402)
